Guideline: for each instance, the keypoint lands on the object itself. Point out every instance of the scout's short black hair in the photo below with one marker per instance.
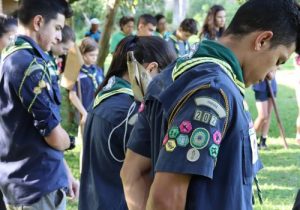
(7, 24)
(46, 8)
(146, 19)
(67, 34)
(282, 17)
(189, 25)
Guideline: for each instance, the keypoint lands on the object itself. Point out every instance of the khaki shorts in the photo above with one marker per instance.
(53, 201)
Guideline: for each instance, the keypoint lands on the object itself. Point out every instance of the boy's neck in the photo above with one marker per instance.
(23, 30)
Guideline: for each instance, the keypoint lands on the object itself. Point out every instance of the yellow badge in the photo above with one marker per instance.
(37, 90)
(42, 84)
(170, 145)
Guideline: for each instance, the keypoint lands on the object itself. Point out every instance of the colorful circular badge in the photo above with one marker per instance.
(193, 155)
(199, 138)
(217, 137)
(214, 150)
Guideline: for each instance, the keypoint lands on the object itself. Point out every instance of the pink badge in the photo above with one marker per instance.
(185, 127)
(217, 137)
(165, 139)
(142, 107)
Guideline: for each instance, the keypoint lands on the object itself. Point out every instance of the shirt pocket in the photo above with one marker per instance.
(247, 158)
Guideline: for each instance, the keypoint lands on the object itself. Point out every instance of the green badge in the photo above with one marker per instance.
(182, 140)
(214, 150)
(173, 132)
(199, 138)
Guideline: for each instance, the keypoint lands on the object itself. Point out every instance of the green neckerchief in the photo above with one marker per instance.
(222, 55)
(115, 85)
(19, 44)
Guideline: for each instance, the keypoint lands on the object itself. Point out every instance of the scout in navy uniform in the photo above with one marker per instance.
(179, 39)
(89, 78)
(209, 157)
(110, 121)
(264, 107)
(8, 30)
(33, 173)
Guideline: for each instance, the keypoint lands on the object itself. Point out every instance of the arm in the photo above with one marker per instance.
(58, 138)
(73, 183)
(136, 180)
(78, 105)
(168, 191)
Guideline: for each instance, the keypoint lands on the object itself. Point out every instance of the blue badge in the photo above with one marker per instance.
(214, 150)
(182, 140)
(200, 138)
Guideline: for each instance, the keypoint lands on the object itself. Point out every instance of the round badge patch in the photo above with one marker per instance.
(214, 150)
(173, 132)
(193, 155)
(182, 140)
(199, 138)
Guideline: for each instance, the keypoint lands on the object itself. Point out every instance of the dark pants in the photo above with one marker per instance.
(2, 205)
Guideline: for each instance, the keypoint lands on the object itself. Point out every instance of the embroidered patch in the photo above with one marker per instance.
(205, 117)
(211, 103)
(171, 145)
(42, 84)
(193, 155)
(199, 138)
(165, 139)
(185, 127)
(37, 90)
(213, 151)
(142, 107)
(217, 137)
(110, 83)
(173, 132)
(182, 140)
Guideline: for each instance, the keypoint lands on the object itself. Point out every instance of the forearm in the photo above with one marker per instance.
(58, 139)
(137, 191)
(77, 103)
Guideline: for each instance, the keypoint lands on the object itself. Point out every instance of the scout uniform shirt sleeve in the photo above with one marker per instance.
(193, 139)
(37, 96)
(139, 140)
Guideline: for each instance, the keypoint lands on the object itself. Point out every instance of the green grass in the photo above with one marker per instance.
(280, 178)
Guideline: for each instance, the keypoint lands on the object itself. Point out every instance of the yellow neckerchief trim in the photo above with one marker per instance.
(92, 76)
(175, 41)
(11, 49)
(101, 98)
(178, 70)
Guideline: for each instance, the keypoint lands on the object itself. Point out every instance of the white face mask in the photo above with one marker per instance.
(139, 77)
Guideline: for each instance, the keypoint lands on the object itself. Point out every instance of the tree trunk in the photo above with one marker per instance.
(112, 7)
(179, 8)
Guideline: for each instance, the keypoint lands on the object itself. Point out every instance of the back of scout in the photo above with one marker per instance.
(208, 131)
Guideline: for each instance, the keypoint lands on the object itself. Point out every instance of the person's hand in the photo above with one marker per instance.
(73, 192)
(83, 118)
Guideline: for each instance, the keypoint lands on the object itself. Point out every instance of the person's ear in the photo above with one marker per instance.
(37, 22)
(152, 68)
(263, 40)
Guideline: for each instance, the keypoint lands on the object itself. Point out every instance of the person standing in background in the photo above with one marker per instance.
(179, 39)
(146, 25)
(161, 29)
(264, 106)
(94, 31)
(126, 25)
(214, 24)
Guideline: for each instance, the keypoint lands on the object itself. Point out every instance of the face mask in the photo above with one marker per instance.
(139, 77)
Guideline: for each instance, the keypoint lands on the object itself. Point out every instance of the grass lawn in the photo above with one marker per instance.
(280, 178)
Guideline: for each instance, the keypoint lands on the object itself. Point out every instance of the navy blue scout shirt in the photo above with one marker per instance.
(181, 48)
(210, 135)
(262, 86)
(90, 78)
(104, 147)
(148, 127)
(29, 110)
